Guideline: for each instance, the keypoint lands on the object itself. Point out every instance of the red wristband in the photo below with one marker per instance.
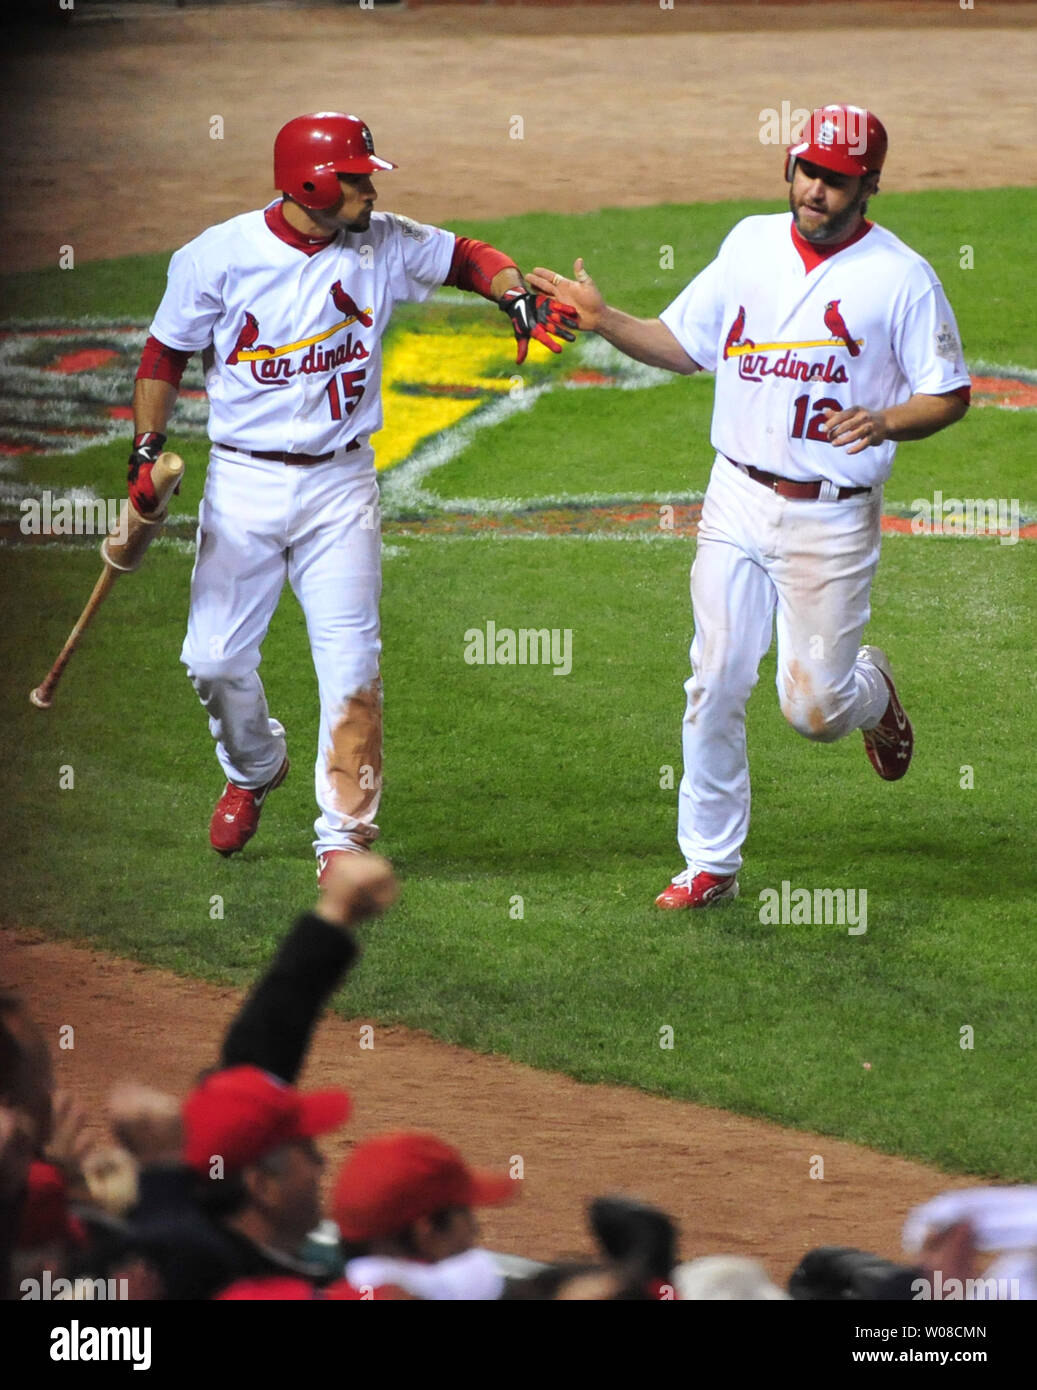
(161, 363)
(475, 265)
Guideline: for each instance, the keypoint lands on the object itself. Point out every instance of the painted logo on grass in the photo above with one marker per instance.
(65, 387)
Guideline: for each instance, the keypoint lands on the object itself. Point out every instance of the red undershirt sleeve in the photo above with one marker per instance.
(474, 266)
(162, 363)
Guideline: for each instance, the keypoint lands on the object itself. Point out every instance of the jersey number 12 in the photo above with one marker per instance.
(815, 429)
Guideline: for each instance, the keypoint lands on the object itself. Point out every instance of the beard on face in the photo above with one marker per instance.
(331, 225)
(834, 225)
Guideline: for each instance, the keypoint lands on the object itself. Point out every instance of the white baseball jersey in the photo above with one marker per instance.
(296, 361)
(869, 326)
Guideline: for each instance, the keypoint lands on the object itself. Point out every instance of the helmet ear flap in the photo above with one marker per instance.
(319, 189)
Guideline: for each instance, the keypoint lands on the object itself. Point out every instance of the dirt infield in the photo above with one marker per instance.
(621, 106)
(735, 1185)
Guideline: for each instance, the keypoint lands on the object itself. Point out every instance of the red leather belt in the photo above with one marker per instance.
(301, 460)
(806, 492)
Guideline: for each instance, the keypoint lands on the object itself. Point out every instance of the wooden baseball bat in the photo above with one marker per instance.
(122, 551)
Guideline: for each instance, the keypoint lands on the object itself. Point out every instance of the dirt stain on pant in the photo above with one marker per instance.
(355, 757)
(816, 719)
(798, 688)
(797, 682)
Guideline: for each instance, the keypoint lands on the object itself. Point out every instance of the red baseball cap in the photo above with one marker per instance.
(242, 1113)
(393, 1179)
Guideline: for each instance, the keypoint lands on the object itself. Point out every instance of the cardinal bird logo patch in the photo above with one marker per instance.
(246, 338)
(734, 333)
(835, 322)
(345, 304)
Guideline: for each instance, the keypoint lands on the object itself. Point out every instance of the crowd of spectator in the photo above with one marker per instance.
(218, 1195)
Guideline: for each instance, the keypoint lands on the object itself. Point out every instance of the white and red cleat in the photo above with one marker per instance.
(890, 744)
(236, 817)
(698, 890)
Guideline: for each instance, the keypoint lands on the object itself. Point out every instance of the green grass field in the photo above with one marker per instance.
(507, 783)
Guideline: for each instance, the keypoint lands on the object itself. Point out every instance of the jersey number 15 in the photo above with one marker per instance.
(350, 396)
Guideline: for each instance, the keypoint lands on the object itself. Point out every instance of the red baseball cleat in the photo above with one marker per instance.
(698, 890)
(236, 817)
(890, 744)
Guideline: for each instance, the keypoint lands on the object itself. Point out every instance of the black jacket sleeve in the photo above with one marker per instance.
(273, 1027)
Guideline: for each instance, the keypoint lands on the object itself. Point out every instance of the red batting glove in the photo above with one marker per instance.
(535, 316)
(146, 449)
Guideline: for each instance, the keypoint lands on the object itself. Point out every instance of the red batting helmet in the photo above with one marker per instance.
(311, 151)
(847, 139)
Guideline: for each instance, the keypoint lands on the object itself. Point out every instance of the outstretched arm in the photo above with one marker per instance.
(646, 340)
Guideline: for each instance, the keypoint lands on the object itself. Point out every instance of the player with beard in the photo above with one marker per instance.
(831, 341)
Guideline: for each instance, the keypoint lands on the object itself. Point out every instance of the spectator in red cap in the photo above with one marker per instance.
(250, 1136)
(229, 1183)
(404, 1204)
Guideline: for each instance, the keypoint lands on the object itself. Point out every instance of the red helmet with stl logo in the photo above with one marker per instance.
(846, 139)
(311, 151)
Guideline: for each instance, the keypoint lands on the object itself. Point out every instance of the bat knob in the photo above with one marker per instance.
(40, 700)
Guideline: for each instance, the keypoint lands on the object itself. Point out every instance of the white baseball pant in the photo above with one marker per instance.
(318, 526)
(810, 563)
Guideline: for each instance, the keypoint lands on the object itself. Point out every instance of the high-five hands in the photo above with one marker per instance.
(583, 298)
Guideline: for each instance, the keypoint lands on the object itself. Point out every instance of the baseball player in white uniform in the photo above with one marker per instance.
(831, 341)
(288, 306)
